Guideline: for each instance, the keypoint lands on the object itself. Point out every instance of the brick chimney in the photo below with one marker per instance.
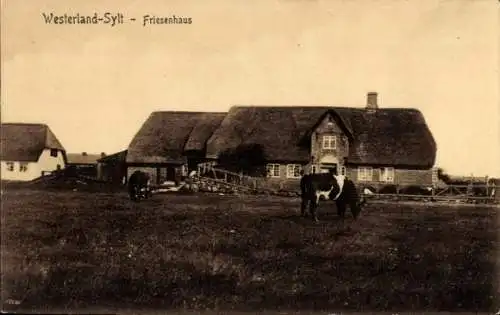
(371, 101)
(84, 153)
(103, 154)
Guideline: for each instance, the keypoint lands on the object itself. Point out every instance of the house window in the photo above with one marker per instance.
(314, 169)
(10, 166)
(329, 142)
(293, 170)
(23, 167)
(365, 174)
(53, 152)
(387, 174)
(273, 170)
(435, 177)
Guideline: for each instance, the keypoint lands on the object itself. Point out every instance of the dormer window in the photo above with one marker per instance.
(329, 142)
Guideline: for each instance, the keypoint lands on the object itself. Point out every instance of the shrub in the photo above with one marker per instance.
(415, 190)
(388, 189)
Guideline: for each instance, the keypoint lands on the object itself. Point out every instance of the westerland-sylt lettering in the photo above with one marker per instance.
(106, 18)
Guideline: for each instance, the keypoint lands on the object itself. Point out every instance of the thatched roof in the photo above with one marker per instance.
(83, 158)
(387, 136)
(166, 136)
(115, 158)
(25, 142)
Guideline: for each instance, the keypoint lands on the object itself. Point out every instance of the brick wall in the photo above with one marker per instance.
(401, 176)
(329, 126)
(413, 177)
(281, 182)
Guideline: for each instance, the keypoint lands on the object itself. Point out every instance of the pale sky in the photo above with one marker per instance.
(95, 85)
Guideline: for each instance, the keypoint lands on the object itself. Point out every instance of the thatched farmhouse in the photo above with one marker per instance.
(169, 143)
(28, 151)
(370, 144)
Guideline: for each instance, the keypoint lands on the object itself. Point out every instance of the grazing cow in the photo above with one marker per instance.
(328, 186)
(139, 186)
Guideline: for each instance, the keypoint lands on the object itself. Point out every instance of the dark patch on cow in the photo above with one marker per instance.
(344, 193)
(138, 186)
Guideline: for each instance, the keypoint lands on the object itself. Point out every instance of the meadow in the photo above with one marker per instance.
(67, 249)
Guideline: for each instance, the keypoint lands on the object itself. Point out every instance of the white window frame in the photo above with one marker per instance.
(293, 170)
(343, 170)
(365, 173)
(10, 166)
(435, 176)
(384, 177)
(314, 169)
(273, 170)
(329, 142)
(23, 167)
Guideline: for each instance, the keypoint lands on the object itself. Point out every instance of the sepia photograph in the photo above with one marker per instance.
(243, 157)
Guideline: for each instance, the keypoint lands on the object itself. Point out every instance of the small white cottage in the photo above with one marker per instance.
(28, 151)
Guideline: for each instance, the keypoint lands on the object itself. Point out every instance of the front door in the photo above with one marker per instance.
(329, 164)
(171, 173)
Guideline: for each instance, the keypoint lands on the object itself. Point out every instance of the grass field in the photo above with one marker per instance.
(77, 250)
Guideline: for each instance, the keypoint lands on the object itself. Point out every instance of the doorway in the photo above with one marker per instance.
(171, 173)
(164, 174)
(329, 168)
(329, 164)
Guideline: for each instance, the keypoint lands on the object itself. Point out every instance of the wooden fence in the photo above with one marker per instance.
(236, 180)
(476, 193)
(472, 193)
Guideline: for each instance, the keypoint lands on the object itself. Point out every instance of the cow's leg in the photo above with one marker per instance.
(313, 207)
(131, 192)
(137, 193)
(142, 192)
(355, 208)
(303, 205)
(341, 207)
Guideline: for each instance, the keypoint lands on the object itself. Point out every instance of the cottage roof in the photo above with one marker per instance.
(83, 158)
(388, 136)
(115, 158)
(25, 142)
(165, 136)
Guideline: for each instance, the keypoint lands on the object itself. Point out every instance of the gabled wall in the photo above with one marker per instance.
(329, 126)
(48, 163)
(32, 171)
